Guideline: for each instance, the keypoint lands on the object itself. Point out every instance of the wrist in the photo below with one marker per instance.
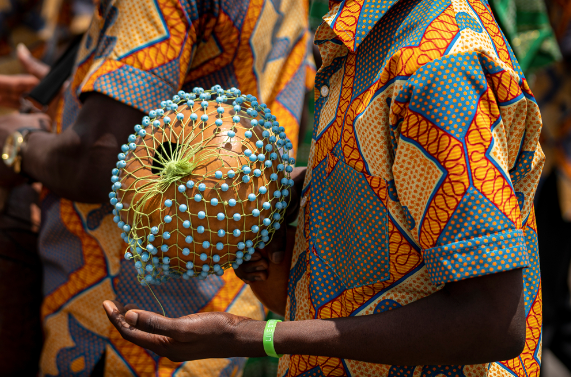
(248, 336)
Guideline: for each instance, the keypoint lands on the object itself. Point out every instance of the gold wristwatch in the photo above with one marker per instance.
(13, 146)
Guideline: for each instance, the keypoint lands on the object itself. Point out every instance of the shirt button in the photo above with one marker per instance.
(324, 91)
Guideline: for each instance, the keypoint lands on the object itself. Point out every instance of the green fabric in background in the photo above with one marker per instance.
(526, 26)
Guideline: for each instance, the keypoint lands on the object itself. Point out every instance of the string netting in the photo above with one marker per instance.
(201, 184)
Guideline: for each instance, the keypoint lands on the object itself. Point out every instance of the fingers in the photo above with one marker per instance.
(13, 87)
(156, 343)
(157, 324)
(31, 64)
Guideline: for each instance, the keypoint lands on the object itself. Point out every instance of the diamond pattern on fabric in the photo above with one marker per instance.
(355, 235)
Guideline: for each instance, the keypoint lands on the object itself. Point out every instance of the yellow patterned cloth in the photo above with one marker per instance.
(142, 52)
(424, 163)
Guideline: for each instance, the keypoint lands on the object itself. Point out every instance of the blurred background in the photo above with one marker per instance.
(540, 34)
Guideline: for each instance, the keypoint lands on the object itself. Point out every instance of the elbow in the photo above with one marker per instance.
(510, 342)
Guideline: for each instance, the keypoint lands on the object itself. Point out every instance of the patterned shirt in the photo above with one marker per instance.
(423, 167)
(141, 52)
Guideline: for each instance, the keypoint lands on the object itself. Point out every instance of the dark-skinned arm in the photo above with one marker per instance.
(83, 155)
(472, 321)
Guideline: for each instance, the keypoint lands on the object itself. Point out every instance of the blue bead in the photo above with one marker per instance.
(181, 188)
(236, 232)
(292, 161)
(204, 103)
(279, 205)
(220, 216)
(251, 197)
(182, 208)
(236, 119)
(272, 139)
(124, 148)
(282, 135)
(267, 221)
(120, 224)
(263, 190)
(121, 156)
(138, 128)
(214, 201)
(237, 108)
(261, 157)
(113, 201)
(154, 230)
(290, 183)
(132, 138)
(219, 246)
(253, 158)
(116, 219)
(166, 235)
(160, 112)
(236, 217)
(190, 184)
(126, 228)
(231, 174)
(264, 134)
(218, 122)
(164, 103)
(216, 258)
(280, 167)
(232, 202)
(150, 247)
(166, 260)
(205, 268)
(166, 120)
(204, 118)
(197, 198)
(151, 237)
(200, 229)
(277, 216)
(164, 248)
(201, 187)
(265, 238)
(277, 225)
(248, 134)
(247, 153)
(284, 181)
(231, 133)
(119, 206)
(188, 239)
(142, 133)
(273, 156)
(220, 110)
(246, 169)
(251, 251)
(261, 245)
(224, 187)
(128, 255)
(239, 254)
(264, 233)
(239, 261)
(206, 244)
(268, 164)
(221, 233)
(156, 123)
(259, 143)
(246, 179)
(190, 103)
(257, 172)
(155, 260)
(201, 215)
(274, 177)
(218, 174)
(194, 116)
(241, 245)
(132, 146)
(185, 251)
(167, 219)
(285, 192)
(255, 212)
(249, 243)
(266, 205)
(168, 203)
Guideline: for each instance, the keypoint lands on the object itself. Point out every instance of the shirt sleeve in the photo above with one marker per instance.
(136, 53)
(467, 162)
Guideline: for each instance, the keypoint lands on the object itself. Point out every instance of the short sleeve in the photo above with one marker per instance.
(466, 137)
(136, 52)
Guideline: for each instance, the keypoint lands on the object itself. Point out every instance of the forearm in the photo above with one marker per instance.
(437, 330)
(77, 163)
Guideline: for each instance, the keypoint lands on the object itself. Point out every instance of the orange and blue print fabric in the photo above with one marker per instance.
(424, 163)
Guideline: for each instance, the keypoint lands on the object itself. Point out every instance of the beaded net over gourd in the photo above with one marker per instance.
(201, 184)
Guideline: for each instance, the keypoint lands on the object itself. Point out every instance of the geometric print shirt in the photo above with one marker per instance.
(424, 163)
(142, 52)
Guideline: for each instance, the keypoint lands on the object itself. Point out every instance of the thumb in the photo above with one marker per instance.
(153, 323)
(31, 64)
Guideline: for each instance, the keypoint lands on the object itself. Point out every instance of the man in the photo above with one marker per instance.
(416, 249)
(135, 55)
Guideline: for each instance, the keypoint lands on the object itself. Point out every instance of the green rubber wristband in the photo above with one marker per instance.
(269, 338)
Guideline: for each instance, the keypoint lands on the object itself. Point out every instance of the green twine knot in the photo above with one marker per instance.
(175, 169)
